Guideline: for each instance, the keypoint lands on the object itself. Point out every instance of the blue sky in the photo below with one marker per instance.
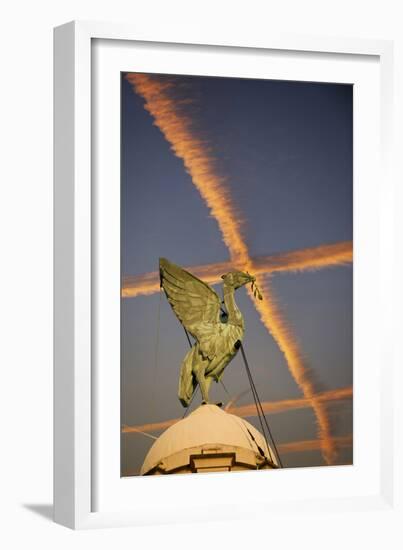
(285, 150)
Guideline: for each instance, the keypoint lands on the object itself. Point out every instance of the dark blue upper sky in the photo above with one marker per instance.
(285, 149)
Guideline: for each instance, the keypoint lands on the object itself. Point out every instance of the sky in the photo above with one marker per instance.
(280, 153)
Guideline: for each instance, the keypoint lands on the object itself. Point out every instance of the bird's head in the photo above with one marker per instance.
(237, 279)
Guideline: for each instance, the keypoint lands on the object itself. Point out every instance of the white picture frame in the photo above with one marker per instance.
(79, 424)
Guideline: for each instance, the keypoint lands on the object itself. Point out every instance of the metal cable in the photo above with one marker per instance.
(259, 406)
(156, 355)
(197, 385)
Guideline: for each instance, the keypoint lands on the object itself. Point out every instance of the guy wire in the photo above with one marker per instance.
(156, 353)
(259, 407)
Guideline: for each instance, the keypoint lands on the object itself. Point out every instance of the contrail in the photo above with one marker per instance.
(134, 429)
(274, 407)
(273, 320)
(269, 407)
(307, 259)
(177, 129)
(231, 403)
(312, 445)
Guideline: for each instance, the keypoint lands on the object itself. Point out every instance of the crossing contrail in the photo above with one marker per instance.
(176, 128)
(199, 163)
(249, 410)
(274, 322)
(307, 259)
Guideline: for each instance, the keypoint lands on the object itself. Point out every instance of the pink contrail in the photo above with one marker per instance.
(269, 407)
(313, 445)
(274, 322)
(177, 129)
(307, 259)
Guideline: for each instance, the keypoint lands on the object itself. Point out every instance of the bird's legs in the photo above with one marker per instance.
(204, 382)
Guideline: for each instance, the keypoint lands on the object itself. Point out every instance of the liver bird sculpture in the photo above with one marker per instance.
(217, 326)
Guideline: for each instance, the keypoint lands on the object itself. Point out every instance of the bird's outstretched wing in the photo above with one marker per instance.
(196, 304)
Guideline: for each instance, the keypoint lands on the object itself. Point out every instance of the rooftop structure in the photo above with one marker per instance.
(209, 440)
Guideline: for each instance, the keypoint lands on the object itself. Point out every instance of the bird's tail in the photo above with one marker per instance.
(187, 381)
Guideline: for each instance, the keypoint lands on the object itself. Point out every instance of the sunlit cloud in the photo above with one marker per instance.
(307, 259)
(199, 163)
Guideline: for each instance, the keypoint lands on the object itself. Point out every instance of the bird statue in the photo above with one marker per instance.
(217, 326)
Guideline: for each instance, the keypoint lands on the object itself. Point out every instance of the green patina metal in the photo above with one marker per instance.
(217, 330)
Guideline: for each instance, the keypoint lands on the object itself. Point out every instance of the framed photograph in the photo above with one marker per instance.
(297, 143)
(219, 234)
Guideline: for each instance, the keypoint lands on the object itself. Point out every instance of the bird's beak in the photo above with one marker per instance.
(251, 278)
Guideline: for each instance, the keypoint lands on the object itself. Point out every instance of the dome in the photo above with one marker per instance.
(209, 439)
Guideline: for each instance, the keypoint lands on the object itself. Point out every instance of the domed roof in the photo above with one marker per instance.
(207, 425)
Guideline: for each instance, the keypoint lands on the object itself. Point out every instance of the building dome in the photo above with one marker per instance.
(209, 439)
